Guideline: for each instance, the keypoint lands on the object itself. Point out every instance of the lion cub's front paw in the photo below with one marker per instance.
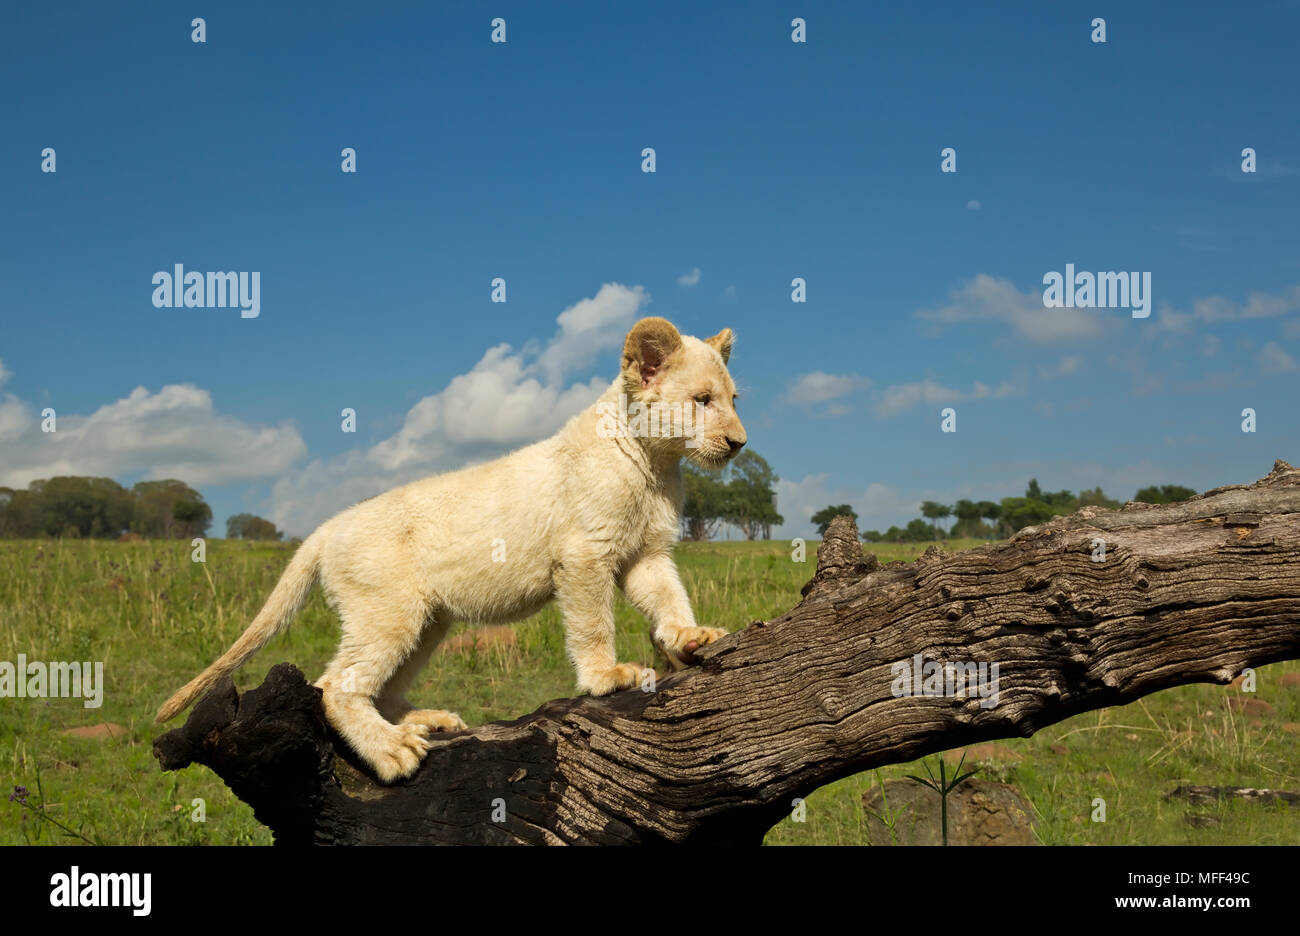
(398, 754)
(680, 644)
(436, 719)
(619, 676)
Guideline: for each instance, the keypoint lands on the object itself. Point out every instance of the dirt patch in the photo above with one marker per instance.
(480, 639)
(1251, 708)
(980, 812)
(97, 732)
(998, 753)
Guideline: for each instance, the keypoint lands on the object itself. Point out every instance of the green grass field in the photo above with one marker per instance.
(155, 619)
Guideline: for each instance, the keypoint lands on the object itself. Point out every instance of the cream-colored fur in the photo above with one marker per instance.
(570, 518)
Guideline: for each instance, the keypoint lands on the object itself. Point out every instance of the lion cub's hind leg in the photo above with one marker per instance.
(392, 702)
(381, 634)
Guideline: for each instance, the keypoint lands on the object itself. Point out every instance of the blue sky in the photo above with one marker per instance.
(774, 160)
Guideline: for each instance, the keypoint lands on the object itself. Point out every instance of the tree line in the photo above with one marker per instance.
(742, 495)
(1000, 519)
(100, 508)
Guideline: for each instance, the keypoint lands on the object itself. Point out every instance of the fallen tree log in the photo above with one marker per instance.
(1093, 610)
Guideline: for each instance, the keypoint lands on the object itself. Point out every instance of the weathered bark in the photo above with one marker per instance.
(1189, 592)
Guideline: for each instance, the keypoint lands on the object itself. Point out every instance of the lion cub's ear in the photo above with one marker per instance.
(721, 342)
(649, 344)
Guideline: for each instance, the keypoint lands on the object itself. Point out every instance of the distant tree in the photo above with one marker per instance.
(990, 511)
(824, 516)
(78, 506)
(169, 510)
(750, 502)
(1164, 494)
(935, 512)
(20, 515)
(1062, 502)
(742, 494)
(969, 516)
(1097, 498)
(192, 518)
(705, 502)
(1037, 506)
(248, 526)
(872, 536)
(67, 506)
(918, 531)
(892, 535)
(1020, 512)
(967, 513)
(968, 520)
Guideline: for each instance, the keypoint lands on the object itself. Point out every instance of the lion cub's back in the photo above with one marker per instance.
(481, 530)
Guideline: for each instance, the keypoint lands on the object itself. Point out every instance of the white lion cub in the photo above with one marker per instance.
(579, 513)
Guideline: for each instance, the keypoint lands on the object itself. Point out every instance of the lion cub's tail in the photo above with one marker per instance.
(289, 594)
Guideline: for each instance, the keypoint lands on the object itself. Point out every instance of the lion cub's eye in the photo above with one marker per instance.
(702, 398)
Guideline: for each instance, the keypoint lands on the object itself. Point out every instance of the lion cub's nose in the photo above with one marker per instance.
(735, 446)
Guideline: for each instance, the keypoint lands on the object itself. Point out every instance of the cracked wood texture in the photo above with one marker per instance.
(1188, 592)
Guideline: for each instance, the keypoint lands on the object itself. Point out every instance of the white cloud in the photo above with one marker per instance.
(797, 501)
(174, 433)
(1133, 363)
(988, 299)
(1217, 310)
(13, 413)
(689, 279)
(1210, 346)
(898, 397)
(883, 506)
(14, 420)
(590, 327)
(509, 398)
(819, 387)
(1067, 366)
(974, 205)
(1273, 359)
(498, 403)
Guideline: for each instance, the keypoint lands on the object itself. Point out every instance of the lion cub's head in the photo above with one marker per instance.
(684, 382)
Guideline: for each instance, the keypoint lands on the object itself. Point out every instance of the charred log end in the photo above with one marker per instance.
(189, 744)
(271, 746)
(840, 556)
